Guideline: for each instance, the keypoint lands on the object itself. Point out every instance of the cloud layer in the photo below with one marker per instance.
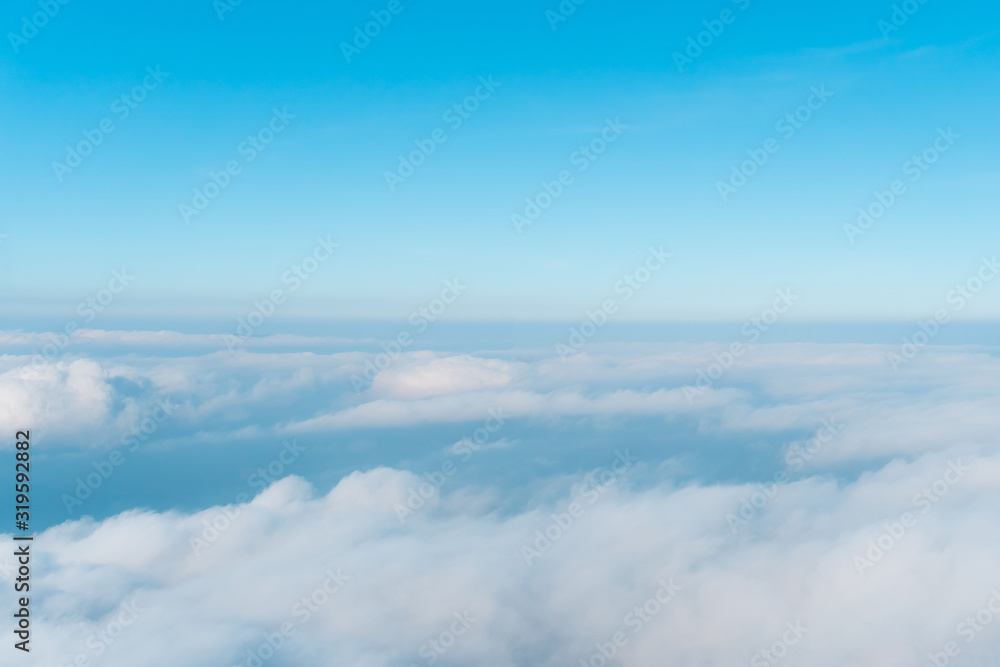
(550, 585)
(871, 540)
(944, 397)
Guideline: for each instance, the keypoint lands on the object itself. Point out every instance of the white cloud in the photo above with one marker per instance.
(425, 374)
(946, 396)
(793, 562)
(60, 398)
(472, 406)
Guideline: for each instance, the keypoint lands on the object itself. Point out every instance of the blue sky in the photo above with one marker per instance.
(656, 184)
(226, 269)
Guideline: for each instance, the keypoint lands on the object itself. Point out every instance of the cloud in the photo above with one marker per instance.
(402, 586)
(65, 397)
(780, 392)
(874, 541)
(426, 374)
(942, 399)
(518, 404)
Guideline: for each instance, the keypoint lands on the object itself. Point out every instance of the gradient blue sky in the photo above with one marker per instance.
(655, 185)
(156, 425)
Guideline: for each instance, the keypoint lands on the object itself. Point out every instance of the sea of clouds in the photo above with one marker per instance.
(871, 536)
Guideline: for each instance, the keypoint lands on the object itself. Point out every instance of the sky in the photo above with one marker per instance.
(394, 333)
(557, 84)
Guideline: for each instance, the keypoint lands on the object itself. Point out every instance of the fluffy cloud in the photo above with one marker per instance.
(946, 396)
(872, 541)
(425, 374)
(353, 585)
(69, 395)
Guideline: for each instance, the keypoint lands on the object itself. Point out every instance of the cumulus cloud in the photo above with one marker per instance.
(353, 585)
(872, 541)
(69, 396)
